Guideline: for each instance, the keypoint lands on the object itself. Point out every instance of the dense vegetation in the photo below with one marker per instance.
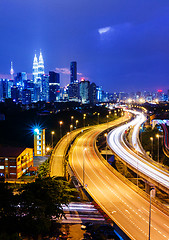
(30, 210)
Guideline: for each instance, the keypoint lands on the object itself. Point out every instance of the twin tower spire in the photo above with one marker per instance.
(38, 67)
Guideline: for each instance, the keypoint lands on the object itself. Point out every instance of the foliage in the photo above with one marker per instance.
(31, 210)
(44, 168)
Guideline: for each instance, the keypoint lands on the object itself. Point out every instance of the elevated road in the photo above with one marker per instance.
(149, 171)
(128, 209)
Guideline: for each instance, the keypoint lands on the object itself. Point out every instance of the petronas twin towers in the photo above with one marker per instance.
(38, 68)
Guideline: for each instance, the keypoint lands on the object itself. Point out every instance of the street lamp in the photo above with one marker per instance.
(72, 117)
(151, 138)
(157, 136)
(84, 167)
(84, 117)
(98, 114)
(71, 126)
(52, 133)
(77, 122)
(151, 195)
(106, 144)
(60, 128)
(107, 120)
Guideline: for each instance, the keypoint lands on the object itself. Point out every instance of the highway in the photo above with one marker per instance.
(117, 144)
(129, 210)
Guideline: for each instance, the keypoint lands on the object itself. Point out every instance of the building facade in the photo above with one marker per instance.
(14, 162)
(39, 142)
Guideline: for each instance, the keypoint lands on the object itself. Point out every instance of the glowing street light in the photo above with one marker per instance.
(77, 122)
(52, 133)
(106, 145)
(157, 136)
(98, 114)
(71, 126)
(60, 123)
(151, 138)
(84, 117)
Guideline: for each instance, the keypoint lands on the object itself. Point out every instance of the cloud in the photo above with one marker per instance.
(5, 76)
(65, 71)
(104, 30)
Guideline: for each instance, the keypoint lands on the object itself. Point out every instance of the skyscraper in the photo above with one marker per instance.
(35, 69)
(54, 86)
(40, 65)
(73, 72)
(84, 91)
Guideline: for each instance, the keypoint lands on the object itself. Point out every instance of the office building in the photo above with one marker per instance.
(54, 86)
(73, 92)
(45, 88)
(84, 91)
(20, 78)
(15, 94)
(14, 161)
(92, 94)
(26, 96)
(73, 72)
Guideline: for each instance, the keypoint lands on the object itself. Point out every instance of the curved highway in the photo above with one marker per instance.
(117, 144)
(129, 210)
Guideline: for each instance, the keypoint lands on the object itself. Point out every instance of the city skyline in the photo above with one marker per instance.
(122, 46)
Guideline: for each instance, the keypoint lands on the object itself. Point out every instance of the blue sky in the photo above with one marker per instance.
(121, 45)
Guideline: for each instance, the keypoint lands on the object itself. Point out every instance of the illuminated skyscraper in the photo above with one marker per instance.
(40, 65)
(35, 69)
(73, 72)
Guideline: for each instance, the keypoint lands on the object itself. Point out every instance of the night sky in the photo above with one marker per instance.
(122, 45)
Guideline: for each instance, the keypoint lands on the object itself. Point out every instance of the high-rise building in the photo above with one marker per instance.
(73, 72)
(35, 69)
(73, 91)
(54, 86)
(99, 93)
(84, 91)
(45, 88)
(15, 95)
(26, 96)
(92, 94)
(40, 66)
(20, 78)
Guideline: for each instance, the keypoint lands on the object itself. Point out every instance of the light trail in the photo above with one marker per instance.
(117, 144)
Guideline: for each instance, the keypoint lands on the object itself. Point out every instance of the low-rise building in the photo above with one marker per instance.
(14, 161)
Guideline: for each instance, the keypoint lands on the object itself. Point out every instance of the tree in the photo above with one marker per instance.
(40, 202)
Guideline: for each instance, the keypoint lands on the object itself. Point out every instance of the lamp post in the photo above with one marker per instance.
(72, 117)
(151, 195)
(151, 138)
(77, 122)
(98, 115)
(157, 136)
(71, 126)
(84, 117)
(60, 123)
(52, 133)
(107, 121)
(106, 144)
(84, 167)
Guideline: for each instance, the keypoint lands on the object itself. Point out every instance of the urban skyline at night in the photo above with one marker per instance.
(122, 46)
